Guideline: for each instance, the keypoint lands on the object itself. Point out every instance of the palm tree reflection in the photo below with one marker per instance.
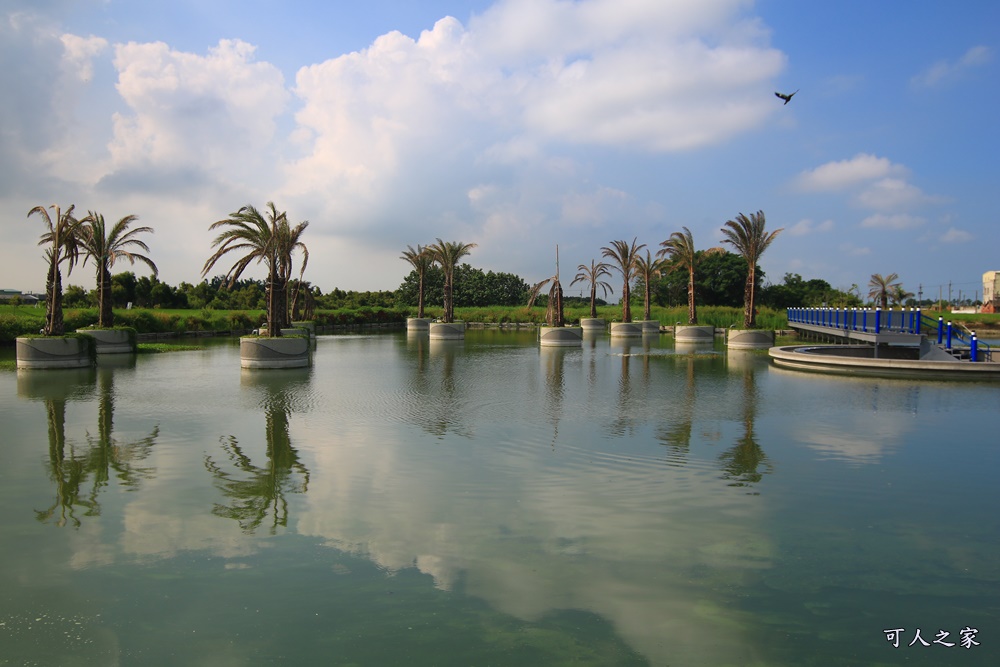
(677, 435)
(553, 358)
(745, 463)
(255, 492)
(71, 468)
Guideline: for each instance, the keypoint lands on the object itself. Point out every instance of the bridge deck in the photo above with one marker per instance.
(886, 337)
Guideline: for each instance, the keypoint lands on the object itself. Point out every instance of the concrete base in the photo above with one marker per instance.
(560, 336)
(308, 325)
(54, 352)
(446, 330)
(284, 352)
(589, 324)
(749, 339)
(110, 341)
(626, 329)
(648, 326)
(418, 323)
(860, 360)
(694, 333)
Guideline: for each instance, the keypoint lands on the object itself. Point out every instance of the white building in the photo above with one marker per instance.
(991, 292)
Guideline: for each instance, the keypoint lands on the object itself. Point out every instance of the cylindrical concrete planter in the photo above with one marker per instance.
(589, 324)
(308, 325)
(418, 323)
(446, 330)
(749, 339)
(111, 341)
(55, 352)
(648, 326)
(290, 331)
(560, 336)
(284, 352)
(625, 329)
(694, 333)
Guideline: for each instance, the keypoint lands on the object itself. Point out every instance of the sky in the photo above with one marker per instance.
(517, 125)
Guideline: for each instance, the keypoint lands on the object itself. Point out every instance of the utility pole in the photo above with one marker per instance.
(920, 294)
(949, 292)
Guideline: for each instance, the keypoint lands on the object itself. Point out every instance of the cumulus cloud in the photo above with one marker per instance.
(80, 53)
(839, 175)
(463, 131)
(946, 70)
(215, 112)
(892, 193)
(804, 227)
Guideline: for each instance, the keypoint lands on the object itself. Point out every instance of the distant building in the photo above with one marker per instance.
(6, 295)
(991, 292)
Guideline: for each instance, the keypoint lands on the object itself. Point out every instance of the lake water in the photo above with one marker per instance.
(488, 502)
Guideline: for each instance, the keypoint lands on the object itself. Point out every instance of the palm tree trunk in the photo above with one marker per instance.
(420, 297)
(749, 314)
(645, 303)
(626, 303)
(449, 312)
(105, 317)
(692, 313)
(54, 325)
(593, 299)
(272, 301)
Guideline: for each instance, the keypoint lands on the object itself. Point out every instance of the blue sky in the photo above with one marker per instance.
(516, 125)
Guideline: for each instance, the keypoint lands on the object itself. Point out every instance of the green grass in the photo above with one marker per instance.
(23, 320)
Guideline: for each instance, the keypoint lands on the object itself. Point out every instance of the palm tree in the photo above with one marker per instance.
(272, 241)
(746, 234)
(447, 254)
(421, 260)
(288, 241)
(554, 308)
(880, 288)
(63, 238)
(900, 295)
(106, 246)
(648, 268)
(592, 274)
(624, 257)
(679, 251)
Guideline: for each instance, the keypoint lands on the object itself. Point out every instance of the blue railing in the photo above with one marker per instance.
(876, 320)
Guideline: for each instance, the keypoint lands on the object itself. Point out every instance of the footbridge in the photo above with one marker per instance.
(899, 328)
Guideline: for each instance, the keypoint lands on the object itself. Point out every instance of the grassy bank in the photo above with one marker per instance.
(22, 320)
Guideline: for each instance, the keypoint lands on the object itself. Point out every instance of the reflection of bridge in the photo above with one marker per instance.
(902, 328)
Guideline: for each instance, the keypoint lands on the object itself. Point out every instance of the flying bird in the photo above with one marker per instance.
(787, 98)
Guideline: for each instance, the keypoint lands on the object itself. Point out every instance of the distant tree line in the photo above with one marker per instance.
(719, 281)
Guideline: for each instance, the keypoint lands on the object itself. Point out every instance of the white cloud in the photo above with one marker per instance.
(803, 227)
(892, 221)
(946, 70)
(213, 113)
(80, 53)
(843, 174)
(954, 235)
(892, 194)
